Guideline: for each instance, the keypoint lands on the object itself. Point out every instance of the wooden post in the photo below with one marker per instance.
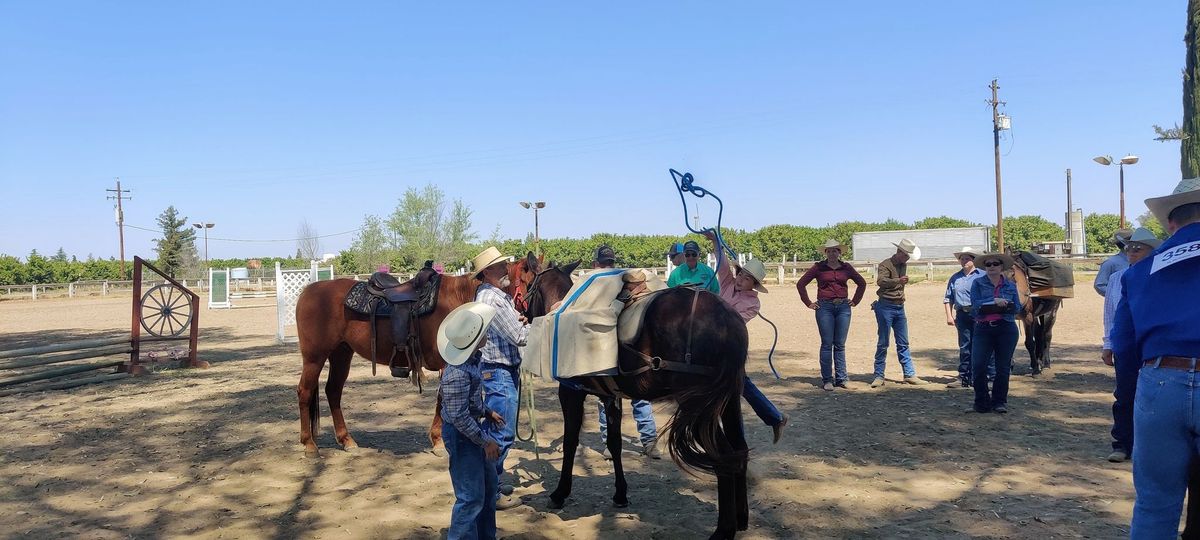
(34, 289)
(104, 288)
(779, 271)
(71, 290)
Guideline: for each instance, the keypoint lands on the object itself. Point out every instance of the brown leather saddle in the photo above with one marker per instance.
(384, 296)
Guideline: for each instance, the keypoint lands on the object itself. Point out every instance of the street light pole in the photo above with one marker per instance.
(1129, 159)
(535, 206)
(206, 227)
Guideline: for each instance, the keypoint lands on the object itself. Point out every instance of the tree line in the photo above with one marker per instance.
(426, 226)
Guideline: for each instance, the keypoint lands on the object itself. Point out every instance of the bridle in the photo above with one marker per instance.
(533, 292)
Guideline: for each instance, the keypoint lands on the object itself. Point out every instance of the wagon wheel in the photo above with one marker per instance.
(166, 310)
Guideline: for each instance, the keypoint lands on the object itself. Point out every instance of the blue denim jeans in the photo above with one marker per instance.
(965, 324)
(474, 481)
(500, 395)
(1122, 410)
(833, 323)
(988, 342)
(762, 406)
(643, 415)
(891, 319)
(1166, 418)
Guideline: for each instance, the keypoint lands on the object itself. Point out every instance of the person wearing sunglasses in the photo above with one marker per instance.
(692, 271)
(958, 314)
(994, 306)
(1140, 244)
(832, 310)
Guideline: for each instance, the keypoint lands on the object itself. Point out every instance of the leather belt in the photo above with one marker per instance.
(835, 300)
(963, 309)
(1173, 362)
(893, 302)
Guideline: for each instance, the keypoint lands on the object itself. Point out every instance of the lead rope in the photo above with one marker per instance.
(526, 379)
(685, 183)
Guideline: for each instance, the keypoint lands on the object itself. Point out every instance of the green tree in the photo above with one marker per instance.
(1099, 229)
(1189, 143)
(423, 228)
(177, 242)
(38, 269)
(370, 248)
(943, 222)
(1022, 232)
(1148, 221)
(12, 271)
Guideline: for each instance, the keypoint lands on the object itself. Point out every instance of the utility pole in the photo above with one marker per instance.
(119, 195)
(1069, 235)
(995, 102)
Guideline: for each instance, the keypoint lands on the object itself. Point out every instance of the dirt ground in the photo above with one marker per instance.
(214, 453)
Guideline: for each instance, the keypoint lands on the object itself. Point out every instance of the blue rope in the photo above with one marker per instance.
(685, 182)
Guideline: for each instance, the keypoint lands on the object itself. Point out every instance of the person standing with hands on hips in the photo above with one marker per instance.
(833, 310)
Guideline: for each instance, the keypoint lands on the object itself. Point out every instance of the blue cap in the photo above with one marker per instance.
(676, 249)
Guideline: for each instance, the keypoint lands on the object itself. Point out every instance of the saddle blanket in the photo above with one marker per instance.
(580, 337)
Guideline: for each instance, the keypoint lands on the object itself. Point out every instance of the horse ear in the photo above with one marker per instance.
(531, 262)
(570, 267)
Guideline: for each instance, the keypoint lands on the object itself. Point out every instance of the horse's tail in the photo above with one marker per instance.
(697, 440)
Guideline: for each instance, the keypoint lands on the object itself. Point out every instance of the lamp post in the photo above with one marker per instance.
(1127, 160)
(537, 240)
(206, 227)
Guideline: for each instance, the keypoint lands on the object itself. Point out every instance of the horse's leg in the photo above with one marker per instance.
(735, 431)
(1031, 331)
(1048, 335)
(612, 408)
(435, 429)
(571, 402)
(307, 392)
(339, 370)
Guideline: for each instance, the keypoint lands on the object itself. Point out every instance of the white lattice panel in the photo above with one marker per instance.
(288, 285)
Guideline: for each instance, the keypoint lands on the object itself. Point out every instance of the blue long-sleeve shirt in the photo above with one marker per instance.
(1158, 312)
(983, 291)
(958, 289)
(1109, 267)
(462, 399)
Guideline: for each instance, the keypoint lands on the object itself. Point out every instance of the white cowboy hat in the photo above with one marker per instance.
(966, 250)
(488, 257)
(757, 270)
(462, 331)
(1144, 236)
(831, 243)
(1187, 192)
(1005, 259)
(910, 248)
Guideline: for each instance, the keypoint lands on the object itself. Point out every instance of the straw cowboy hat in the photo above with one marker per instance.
(832, 244)
(490, 256)
(463, 330)
(910, 248)
(1006, 260)
(1145, 237)
(755, 268)
(1187, 192)
(967, 250)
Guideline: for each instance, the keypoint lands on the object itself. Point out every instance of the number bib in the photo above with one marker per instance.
(1180, 253)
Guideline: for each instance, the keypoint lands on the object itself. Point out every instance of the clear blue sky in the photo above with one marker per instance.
(257, 115)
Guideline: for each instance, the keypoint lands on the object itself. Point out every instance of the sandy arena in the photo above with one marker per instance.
(214, 453)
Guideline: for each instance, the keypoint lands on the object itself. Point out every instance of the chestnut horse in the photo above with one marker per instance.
(330, 331)
(688, 329)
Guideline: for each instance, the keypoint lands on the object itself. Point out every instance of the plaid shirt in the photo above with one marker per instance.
(506, 333)
(462, 399)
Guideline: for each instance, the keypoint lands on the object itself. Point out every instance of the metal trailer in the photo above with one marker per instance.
(934, 243)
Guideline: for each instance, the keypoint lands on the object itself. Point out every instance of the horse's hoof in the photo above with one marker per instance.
(556, 504)
(620, 504)
(439, 451)
(311, 453)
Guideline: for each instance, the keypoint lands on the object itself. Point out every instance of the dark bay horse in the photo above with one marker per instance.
(1038, 320)
(330, 331)
(705, 432)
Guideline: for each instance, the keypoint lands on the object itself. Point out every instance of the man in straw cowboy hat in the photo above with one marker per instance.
(1155, 332)
(892, 276)
(957, 304)
(1140, 244)
(740, 286)
(501, 355)
(472, 450)
(1113, 264)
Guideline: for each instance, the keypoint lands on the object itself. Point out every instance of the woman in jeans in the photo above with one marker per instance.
(833, 310)
(994, 305)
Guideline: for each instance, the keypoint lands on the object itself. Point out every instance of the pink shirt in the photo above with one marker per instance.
(746, 302)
